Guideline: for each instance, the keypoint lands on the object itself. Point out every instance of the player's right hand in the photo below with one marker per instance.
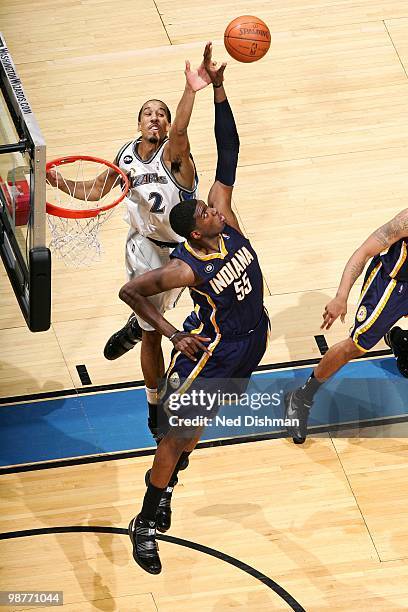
(196, 79)
(190, 344)
(334, 309)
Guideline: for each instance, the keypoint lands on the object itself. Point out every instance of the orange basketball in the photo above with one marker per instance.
(247, 38)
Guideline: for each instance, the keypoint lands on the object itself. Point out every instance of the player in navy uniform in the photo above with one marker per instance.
(221, 269)
(383, 301)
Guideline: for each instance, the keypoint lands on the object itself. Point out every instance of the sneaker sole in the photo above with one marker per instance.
(111, 355)
(140, 564)
(125, 345)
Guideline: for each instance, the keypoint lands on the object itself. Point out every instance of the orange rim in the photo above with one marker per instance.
(68, 213)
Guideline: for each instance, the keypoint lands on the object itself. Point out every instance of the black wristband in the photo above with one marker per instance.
(172, 335)
(217, 86)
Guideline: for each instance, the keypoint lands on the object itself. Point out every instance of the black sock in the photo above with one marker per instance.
(180, 466)
(151, 502)
(152, 420)
(308, 390)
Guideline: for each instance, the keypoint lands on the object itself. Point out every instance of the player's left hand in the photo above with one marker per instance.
(216, 74)
(190, 344)
(334, 309)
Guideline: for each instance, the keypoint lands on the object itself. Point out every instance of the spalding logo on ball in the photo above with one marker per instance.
(247, 38)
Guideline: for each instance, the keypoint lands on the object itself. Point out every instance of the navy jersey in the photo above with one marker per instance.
(229, 300)
(395, 260)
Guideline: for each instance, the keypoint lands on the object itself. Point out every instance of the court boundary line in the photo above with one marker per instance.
(269, 582)
(135, 384)
(145, 452)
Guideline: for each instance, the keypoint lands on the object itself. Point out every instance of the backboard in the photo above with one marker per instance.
(22, 199)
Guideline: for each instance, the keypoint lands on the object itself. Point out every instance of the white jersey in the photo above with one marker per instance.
(153, 193)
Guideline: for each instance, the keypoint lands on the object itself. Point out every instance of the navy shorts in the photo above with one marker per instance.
(383, 301)
(227, 370)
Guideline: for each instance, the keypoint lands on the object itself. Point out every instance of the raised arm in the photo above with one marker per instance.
(227, 139)
(84, 190)
(178, 153)
(171, 276)
(378, 241)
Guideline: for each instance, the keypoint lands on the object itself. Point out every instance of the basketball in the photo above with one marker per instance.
(247, 38)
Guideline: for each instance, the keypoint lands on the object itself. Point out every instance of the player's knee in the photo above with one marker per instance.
(351, 350)
(179, 438)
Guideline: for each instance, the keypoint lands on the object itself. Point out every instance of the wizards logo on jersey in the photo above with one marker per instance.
(147, 179)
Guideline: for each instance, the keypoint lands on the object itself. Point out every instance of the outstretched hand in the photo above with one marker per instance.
(206, 73)
(215, 74)
(197, 79)
(334, 309)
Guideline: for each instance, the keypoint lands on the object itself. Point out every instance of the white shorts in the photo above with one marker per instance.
(143, 255)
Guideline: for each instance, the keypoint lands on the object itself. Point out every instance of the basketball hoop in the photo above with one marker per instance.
(79, 202)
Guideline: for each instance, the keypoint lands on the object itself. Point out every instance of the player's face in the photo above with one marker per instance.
(153, 122)
(209, 222)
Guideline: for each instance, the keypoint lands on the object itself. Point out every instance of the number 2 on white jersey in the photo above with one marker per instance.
(158, 199)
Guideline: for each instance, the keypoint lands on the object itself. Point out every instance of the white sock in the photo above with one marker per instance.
(151, 395)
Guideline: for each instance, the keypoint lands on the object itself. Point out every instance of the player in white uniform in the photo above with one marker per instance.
(154, 191)
(162, 172)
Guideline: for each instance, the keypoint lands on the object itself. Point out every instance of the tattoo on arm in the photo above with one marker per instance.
(356, 269)
(382, 236)
(394, 229)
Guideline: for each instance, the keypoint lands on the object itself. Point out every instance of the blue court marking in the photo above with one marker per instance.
(116, 421)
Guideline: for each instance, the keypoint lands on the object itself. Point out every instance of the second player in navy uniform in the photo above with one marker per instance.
(383, 301)
(221, 269)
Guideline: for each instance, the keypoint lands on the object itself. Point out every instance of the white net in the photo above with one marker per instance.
(76, 241)
(85, 188)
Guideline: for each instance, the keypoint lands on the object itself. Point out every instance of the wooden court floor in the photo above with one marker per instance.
(326, 522)
(323, 123)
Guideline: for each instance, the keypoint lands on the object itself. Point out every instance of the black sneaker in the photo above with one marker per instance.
(123, 340)
(387, 339)
(297, 409)
(397, 340)
(142, 534)
(163, 514)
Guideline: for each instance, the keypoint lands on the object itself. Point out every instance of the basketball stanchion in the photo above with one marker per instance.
(82, 193)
